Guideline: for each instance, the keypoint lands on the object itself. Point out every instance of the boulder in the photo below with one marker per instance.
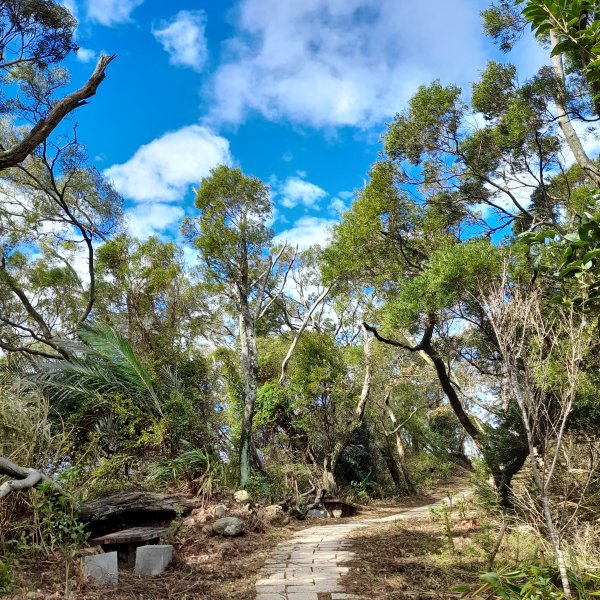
(228, 526)
(220, 511)
(242, 497)
(208, 530)
(317, 513)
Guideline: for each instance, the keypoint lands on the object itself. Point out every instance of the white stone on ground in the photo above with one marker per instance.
(153, 560)
(101, 569)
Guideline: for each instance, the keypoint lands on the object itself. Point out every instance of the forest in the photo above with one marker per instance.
(444, 337)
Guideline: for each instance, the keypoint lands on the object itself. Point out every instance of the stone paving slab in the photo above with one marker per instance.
(312, 562)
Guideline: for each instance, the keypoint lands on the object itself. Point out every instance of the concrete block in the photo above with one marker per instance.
(101, 569)
(153, 560)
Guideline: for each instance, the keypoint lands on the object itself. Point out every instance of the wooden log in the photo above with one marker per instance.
(135, 503)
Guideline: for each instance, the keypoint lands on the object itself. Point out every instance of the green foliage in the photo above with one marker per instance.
(231, 232)
(55, 518)
(195, 466)
(432, 110)
(443, 513)
(5, 578)
(535, 582)
(266, 486)
(503, 22)
(494, 91)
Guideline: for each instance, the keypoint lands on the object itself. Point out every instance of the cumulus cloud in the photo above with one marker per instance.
(145, 220)
(183, 39)
(307, 231)
(342, 62)
(111, 12)
(85, 55)
(337, 206)
(165, 168)
(296, 191)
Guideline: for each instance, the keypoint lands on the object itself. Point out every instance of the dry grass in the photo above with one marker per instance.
(413, 559)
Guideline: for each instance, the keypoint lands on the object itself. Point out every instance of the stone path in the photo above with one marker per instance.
(310, 565)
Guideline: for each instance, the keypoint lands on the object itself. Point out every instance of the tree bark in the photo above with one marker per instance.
(331, 460)
(400, 451)
(250, 371)
(112, 507)
(564, 121)
(23, 478)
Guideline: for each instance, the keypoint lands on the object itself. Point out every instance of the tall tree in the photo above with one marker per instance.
(240, 265)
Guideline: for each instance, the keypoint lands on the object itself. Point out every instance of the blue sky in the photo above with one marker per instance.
(296, 93)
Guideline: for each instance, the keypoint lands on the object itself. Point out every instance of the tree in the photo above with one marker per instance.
(34, 36)
(54, 212)
(543, 356)
(240, 265)
(146, 293)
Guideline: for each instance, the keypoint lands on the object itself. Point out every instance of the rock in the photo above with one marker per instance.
(208, 530)
(153, 560)
(337, 513)
(35, 595)
(317, 513)
(220, 511)
(102, 569)
(242, 497)
(274, 513)
(228, 526)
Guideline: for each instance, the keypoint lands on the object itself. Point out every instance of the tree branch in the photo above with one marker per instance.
(44, 127)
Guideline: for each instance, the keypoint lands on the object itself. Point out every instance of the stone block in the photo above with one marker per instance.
(101, 569)
(153, 560)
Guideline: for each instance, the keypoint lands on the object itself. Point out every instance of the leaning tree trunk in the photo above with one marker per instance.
(250, 373)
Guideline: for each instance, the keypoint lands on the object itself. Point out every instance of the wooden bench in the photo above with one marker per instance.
(126, 542)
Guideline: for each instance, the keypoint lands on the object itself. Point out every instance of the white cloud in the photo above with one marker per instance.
(85, 55)
(183, 38)
(346, 195)
(145, 220)
(296, 190)
(165, 168)
(111, 12)
(337, 206)
(342, 62)
(307, 231)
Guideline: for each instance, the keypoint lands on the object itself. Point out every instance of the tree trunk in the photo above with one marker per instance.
(250, 373)
(400, 451)
(564, 121)
(392, 466)
(331, 459)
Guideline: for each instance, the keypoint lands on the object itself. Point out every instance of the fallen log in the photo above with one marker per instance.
(135, 506)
